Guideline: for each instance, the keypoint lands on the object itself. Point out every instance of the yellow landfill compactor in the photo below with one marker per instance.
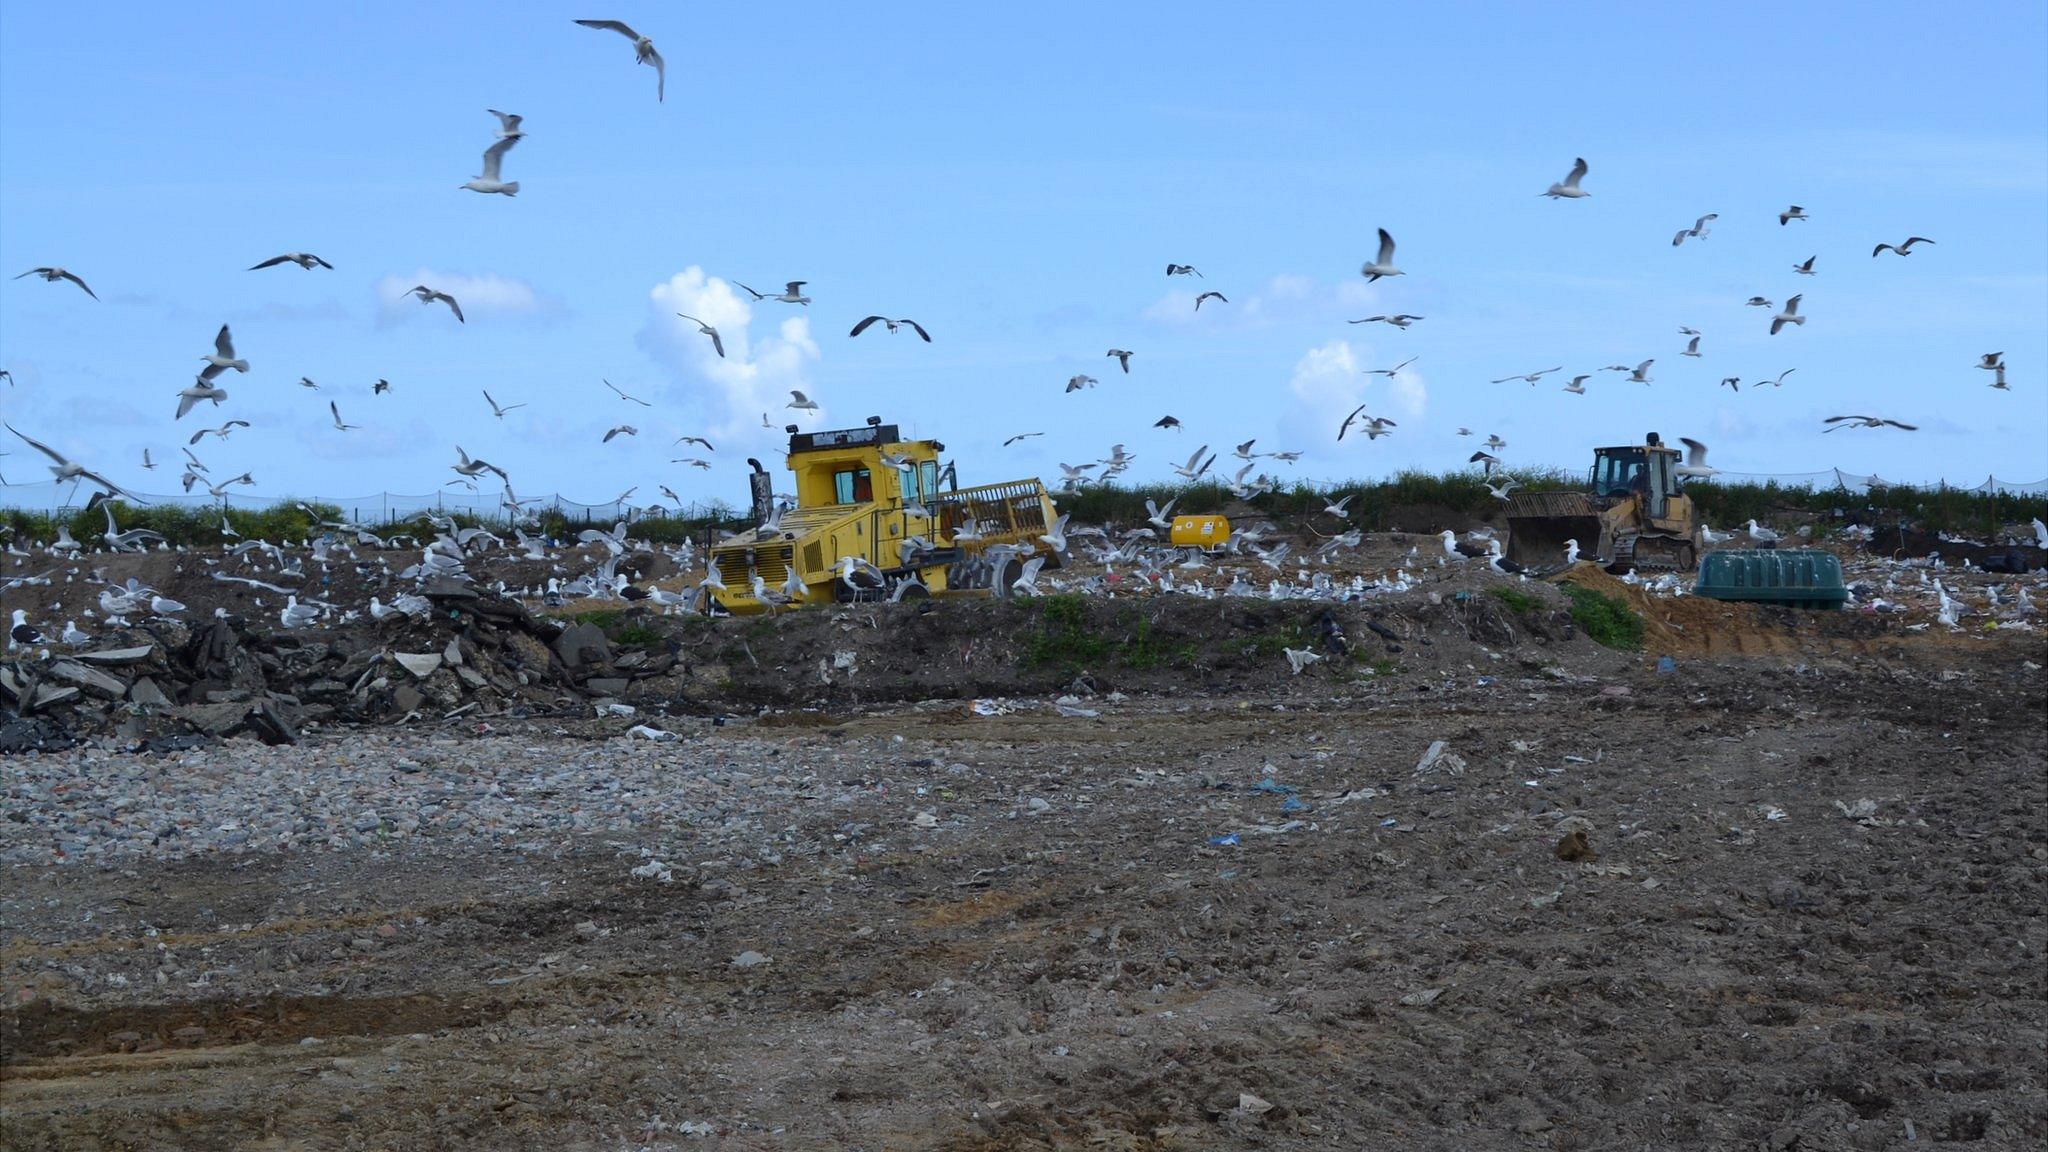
(877, 518)
(1634, 514)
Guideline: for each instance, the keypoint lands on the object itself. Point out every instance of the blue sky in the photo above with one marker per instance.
(1016, 180)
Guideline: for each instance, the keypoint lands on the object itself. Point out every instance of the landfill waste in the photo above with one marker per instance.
(1440, 758)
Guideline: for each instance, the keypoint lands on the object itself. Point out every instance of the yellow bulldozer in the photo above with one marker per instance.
(1633, 514)
(877, 517)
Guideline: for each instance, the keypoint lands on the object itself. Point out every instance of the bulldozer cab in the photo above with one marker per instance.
(1639, 471)
(1633, 513)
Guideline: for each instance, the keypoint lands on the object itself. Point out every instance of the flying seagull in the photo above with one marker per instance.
(1795, 212)
(1576, 386)
(792, 293)
(498, 409)
(1805, 267)
(1167, 422)
(1076, 383)
(1383, 263)
(643, 52)
(1640, 374)
(623, 396)
(474, 468)
(1789, 316)
(70, 470)
(1692, 347)
(1841, 422)
(222, 357)
(508, 124)
(717, 345)
(1494, 443)
(800, 401)
(1732, 383)
(147, 464)
(1695, 460)
(1021, 436)
(1390, 373)
(307, 382)
(1570, 189)
(1122, 357)
(892, 325)
(1776, 382)
(494, 159)
(696, 440)
(1374, 427)
(1532, 377)
(1998, 379)
(428, 296)
(1210, 295)
(221, 432)
(1399, 320)
(1698, 230)
(304, 260)
(380, 387)
(621, 430)
(1182, 270)
(1991, 361)
(1485, 460)
(1759, 302)
(1905, 249)
(199, 390)
(55, 274)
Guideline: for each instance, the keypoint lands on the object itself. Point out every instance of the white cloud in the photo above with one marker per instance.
(488, 294)
(1329, 381)
(752, 378)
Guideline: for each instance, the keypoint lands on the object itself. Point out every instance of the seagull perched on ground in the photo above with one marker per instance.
(1905, 249)
(1122, 357)
(305, 260)
(1167, 422)
(335, 409)
(1076, 383)
(498, 409)
(1459, 550)
(800, 401)
(1399, 320)
(1381, 264)
(1300, 658)
(222, 357)
(1182, 270)
(69, 470)
(1805, 267)
(428, 296)
(892, 325)
(1532, 377)
(717, 345)
(494, 159)
(1569, 189)
(1210, 296)
(1576, 386)
(1761, 534)
(643, 52)
(1698, 230)
(792, 293)
(1841, 422)
(1695, 460)
(1789, 316)
(221, 431)
(1795, 212)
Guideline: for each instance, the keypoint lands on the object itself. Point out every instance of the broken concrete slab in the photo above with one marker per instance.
(115, 655)
(582, 645)
(420, 664)
(90, 680)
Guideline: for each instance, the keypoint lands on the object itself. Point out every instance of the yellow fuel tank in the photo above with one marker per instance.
(1199, 531)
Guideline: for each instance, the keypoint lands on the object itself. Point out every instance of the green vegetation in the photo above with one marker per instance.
(1604, 619)
(1517, 602)
(618, 627)
(1065, 637)
(1420, 501)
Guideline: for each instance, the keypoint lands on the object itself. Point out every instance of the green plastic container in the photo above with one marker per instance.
(1790, 577)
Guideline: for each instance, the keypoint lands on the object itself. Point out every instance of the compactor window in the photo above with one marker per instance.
(1618, 473)
(852, 486)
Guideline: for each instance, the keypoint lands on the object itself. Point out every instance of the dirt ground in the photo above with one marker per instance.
(1227, 911)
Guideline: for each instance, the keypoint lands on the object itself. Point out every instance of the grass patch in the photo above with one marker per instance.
(618, 627)
(1066, 638)
(1604, 619)
(1517, 602)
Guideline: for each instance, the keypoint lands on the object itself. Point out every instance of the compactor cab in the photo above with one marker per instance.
(1633, 514)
